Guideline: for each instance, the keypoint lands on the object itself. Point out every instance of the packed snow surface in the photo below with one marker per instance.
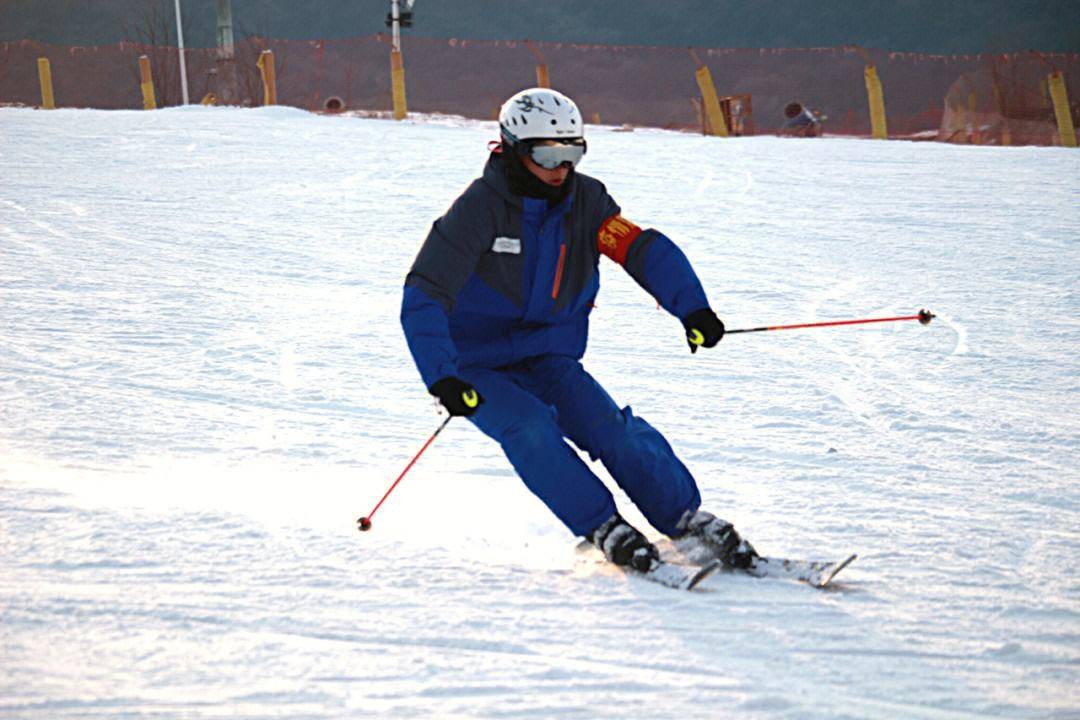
(203, 384)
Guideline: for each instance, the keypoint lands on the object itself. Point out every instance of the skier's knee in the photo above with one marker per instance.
(622, 431)
(533, 433)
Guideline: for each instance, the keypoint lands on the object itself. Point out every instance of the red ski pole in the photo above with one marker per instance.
(924, 317)
(364, 523)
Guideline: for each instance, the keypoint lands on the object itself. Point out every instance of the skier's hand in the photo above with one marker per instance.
(703, 328)
(458, 397)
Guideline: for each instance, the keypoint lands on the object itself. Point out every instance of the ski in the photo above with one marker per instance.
(816, 574)
(678, 577)
(695, 561)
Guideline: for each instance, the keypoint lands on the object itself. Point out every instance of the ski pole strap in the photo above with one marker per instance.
(924, 317)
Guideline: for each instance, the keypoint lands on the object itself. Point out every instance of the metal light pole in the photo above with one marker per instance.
(183, 63)
(226, 49)
(226, 76)
(395, 23)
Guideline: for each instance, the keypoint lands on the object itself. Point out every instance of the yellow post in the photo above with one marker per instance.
(397, 84)
(974, 138)
(45, 78)
(149, 102)
(596, 118)
(717, 125)
(542, 76)
(876, 96)
(269, 78)
(1060, 95)
(1006, 134)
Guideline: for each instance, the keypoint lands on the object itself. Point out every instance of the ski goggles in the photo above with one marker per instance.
(550, 154)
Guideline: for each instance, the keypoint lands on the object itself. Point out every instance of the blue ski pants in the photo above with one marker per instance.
(530, 407)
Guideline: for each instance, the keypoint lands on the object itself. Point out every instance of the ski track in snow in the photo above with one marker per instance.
(203, 383)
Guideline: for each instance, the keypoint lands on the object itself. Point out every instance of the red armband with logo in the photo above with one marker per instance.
(616, 236)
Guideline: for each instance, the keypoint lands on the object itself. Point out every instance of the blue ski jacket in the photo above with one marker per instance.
(501, 278)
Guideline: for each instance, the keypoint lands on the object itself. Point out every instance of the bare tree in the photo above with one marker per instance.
(255, 31)
(248, 76)
(152, 27)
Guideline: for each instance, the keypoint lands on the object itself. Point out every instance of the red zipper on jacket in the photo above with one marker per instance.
(558, 272)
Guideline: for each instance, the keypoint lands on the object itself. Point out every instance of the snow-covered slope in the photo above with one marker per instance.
(203, 384)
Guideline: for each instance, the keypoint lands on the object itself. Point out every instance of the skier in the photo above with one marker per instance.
(496, 312)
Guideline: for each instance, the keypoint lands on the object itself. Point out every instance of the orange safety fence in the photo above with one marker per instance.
(957, 98)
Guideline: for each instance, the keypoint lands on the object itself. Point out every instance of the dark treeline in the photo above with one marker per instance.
(928, 26)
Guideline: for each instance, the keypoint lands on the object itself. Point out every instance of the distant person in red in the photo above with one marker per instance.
(800, 121)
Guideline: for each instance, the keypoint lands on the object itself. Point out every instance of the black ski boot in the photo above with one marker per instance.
(623, 545)
(720, 537)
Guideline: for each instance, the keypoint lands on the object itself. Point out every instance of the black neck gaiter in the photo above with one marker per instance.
(524, 183)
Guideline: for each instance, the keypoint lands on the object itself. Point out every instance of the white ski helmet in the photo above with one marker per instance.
(540, 114)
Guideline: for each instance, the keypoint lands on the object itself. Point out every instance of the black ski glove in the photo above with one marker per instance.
(458, 397)
(703, 327)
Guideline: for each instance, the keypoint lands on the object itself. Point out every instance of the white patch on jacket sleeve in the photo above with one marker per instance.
(507, 245)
